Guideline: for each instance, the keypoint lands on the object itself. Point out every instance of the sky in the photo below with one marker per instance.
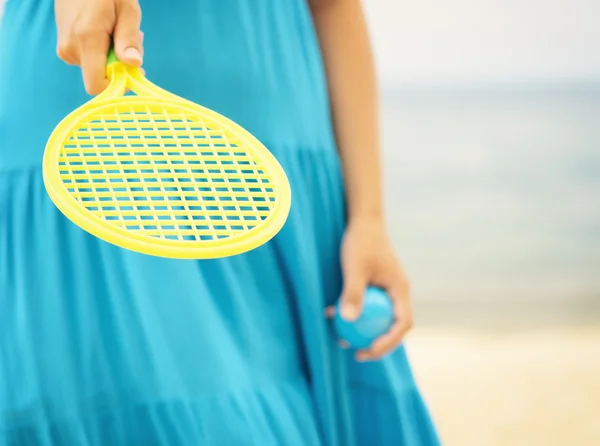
(465, 41)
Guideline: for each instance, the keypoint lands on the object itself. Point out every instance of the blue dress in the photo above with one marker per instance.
(101, 346)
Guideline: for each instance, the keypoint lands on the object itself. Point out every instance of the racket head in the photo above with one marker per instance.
(163, 176)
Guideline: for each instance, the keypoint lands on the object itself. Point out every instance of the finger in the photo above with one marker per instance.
(385, 344)
(395, 335)
(352, 298)
(127, 35)
(355, 282)
(93, 52)
(329, 312)
(65, 52)
(67, 46)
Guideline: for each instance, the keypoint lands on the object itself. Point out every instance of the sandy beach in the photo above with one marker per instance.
(511, 388)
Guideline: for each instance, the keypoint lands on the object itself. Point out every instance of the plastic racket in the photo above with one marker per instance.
(157, 174)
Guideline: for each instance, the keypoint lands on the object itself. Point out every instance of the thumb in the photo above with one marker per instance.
(127, 35)
(352, 294)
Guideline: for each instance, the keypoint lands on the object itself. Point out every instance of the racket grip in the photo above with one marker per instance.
(112, 57)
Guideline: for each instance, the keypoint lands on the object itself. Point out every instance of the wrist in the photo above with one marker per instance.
(372, 220)
(365, 204)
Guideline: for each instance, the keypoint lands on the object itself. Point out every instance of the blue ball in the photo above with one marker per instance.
(376, 318)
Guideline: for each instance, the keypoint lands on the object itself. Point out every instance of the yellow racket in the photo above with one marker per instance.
(157, 174)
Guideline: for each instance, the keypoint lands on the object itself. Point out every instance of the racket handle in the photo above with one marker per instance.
(112, 57)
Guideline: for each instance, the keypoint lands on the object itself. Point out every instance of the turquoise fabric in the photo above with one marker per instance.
(102, 346)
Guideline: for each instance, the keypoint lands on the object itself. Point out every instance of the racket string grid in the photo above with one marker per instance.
(164, 172)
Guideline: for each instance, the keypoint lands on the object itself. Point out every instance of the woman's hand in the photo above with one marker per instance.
(367, 255)
(368, 259)
(85, 29)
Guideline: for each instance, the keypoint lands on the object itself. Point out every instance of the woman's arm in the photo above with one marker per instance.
(350, 70)
(367, 254)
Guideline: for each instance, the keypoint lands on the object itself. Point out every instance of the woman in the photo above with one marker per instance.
(102, 346)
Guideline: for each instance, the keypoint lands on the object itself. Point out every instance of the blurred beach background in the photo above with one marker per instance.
(491, 136)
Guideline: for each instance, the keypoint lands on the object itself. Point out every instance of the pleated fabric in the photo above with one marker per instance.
(103, 346)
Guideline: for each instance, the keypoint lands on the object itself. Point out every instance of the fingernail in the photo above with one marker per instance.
(349, 312)
(133, 53)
